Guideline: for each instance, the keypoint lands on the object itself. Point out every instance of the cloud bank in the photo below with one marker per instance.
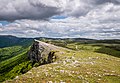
(26, 9)
(85, 18)
(43, 9)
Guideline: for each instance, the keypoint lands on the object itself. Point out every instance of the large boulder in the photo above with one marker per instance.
(41, 52)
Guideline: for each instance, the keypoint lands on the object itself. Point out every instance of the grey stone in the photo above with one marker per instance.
(41, 52)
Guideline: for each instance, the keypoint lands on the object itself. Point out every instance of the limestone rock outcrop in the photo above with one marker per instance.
(41, 52)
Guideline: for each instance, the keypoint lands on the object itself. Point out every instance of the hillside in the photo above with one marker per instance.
(13, 51)
(8, 41)
(61, 58)
(75, 63)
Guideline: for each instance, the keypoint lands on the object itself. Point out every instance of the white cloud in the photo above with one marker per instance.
(85, 18)
(43, 9)
(27, 9)
(70, 27)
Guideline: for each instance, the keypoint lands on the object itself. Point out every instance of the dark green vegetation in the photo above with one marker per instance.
(8, 40)
(13, 59)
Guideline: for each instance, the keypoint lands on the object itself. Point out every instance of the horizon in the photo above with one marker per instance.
(96, 19)
(58, 38)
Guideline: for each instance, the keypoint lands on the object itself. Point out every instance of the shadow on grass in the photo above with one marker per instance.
(109, 51)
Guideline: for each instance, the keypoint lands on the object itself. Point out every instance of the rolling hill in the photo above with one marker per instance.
(8, 40)
(59, 60)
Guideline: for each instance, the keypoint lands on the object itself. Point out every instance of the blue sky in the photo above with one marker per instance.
(58, 17)
(4, 22)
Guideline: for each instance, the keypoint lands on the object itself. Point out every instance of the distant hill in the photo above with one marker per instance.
(110, 41)
(8, 40)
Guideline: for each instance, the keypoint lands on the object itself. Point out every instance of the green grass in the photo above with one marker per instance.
(19, 69)
(11, 57)
(7, 65)
(111, 47)
(8, 52)
(95, 48)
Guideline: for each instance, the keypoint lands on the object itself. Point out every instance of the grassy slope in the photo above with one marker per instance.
(101, 48)
(12, 57)
(8, 52)
(77, 66)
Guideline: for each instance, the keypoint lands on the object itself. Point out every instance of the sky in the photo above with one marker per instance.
(95, 19)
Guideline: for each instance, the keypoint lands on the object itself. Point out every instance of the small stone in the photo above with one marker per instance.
(113, 74)
(99, 79)
(88, 73)
(118, 60)
(97, 57)
(92, 63)
(107, 74)
(64, 62)
(80, 77)
(89, 57)
(105, 70)
(55, 63)
(49, 82)
(100, 76)
(113, 71)
(96, 74)
(16, 77)
(73, 71)
(29, 72)
(62, 82)
(119, 75)
(61, 71)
